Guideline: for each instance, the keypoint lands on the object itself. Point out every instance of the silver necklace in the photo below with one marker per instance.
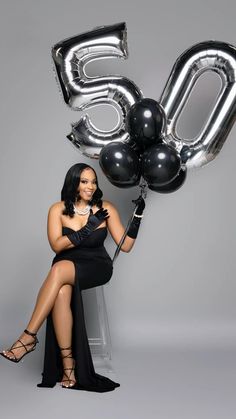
(82, 211)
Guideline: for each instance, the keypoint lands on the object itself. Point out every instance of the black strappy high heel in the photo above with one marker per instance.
(27, 351)
(69, 355)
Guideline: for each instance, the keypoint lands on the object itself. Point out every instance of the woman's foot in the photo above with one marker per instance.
(68, 379)
(25, 344)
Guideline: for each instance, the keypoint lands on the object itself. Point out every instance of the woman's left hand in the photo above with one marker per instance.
(141, 205)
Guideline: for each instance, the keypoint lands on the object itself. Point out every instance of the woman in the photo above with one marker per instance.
(77, 228)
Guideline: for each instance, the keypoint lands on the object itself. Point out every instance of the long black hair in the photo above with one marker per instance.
(69, 192)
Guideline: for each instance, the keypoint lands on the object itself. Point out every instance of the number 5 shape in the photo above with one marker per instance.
(81, 91)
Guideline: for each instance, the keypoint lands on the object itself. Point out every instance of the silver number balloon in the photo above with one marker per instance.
(210, 55)
(81, 91)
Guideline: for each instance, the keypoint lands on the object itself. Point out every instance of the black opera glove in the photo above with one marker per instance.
(135, 223)
(93, 222)
(141, 205)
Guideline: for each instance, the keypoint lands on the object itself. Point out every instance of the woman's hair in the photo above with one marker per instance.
(69, 192)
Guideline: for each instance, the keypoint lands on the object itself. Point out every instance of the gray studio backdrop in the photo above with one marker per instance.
(177, 286)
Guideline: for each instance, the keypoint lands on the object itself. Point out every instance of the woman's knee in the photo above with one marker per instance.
(64, 293)
(63, 272)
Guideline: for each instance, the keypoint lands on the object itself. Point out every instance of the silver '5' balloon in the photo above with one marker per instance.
(210, 55)
(81, 91)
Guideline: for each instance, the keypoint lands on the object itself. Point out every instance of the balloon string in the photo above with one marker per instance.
(143, 186)
(124, 236)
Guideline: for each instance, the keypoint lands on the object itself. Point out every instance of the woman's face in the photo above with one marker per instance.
(87, 185)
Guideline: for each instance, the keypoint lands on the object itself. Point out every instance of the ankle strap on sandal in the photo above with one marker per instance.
(69, 355)
(30, 333)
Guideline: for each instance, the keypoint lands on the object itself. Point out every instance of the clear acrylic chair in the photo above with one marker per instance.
(97, 327)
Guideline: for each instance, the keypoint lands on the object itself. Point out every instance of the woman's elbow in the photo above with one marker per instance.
(126, 249)
(55, 248)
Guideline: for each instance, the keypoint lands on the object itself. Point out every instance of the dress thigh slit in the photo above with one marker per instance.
(86, 377)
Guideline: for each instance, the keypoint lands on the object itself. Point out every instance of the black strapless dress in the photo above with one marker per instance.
(93, 267)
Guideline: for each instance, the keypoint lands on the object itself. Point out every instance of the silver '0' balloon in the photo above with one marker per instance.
(81, 91)
(210, 55)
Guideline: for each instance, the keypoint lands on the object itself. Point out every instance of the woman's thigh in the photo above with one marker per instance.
(64, 272)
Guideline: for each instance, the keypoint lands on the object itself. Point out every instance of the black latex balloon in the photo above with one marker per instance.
(120, 164)
(146, 122)
(136, 148)
(172, 186)
(160, 164)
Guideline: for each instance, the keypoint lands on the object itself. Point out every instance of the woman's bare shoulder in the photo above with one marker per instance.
(56, 207)
(109, 206)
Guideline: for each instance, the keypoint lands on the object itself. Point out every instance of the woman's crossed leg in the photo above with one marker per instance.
(58, 282)
(63, 322)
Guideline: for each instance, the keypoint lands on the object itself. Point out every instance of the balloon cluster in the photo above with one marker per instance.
(146, 154)
(144, 142)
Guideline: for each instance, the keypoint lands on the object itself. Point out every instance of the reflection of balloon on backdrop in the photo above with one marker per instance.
(145, 141)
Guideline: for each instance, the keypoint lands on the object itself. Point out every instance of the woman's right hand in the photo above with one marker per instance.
(96, 219)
